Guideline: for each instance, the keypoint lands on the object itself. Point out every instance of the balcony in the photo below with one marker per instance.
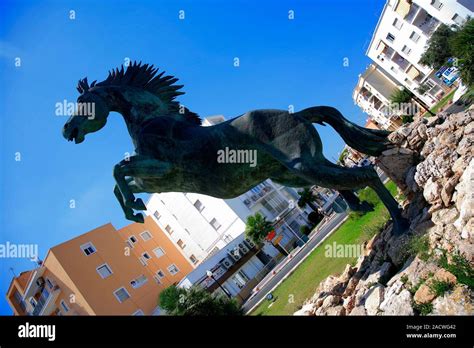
(400, 61)
(412, 13)
(35, 283)
(45, 303)
(426, 22)
(256, 194)
(386, 53)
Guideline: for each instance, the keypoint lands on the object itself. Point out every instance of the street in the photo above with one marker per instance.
(308, 248)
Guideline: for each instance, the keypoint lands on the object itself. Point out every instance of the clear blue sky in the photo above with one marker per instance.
(282, 62)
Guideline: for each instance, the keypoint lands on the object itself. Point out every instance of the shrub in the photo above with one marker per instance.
(439, 287)
(419, 245)
(423, 308)
(460, 267)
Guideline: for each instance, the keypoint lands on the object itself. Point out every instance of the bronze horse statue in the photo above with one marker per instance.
(174, 153)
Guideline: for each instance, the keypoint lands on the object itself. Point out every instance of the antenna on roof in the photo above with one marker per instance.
(13, 271)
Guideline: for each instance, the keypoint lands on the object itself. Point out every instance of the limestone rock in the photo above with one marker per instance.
(397, 304)
(457, 302)
(373, 299)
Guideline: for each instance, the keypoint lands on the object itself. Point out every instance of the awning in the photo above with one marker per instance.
(381, 47)
(403, 8)
(413, 72)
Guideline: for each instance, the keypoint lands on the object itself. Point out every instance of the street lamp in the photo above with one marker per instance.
(211, 275)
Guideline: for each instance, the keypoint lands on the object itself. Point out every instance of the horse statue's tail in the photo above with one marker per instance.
(369, 141)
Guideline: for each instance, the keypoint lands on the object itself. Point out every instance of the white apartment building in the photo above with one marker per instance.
(400, 39)
(372, 94)
(201, 225)
(235, 270)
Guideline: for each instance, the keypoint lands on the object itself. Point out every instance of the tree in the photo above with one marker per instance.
(257, 228)
(169, 298)
(306, 197)
(197, 301)
(315, 217)
(405, 96)
(439, 48)
(401, 96)
(462, 47)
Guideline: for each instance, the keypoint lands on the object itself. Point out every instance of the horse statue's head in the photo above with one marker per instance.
(139, 85)
(91, 114)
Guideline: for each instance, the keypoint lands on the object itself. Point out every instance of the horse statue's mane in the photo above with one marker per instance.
(144, 76)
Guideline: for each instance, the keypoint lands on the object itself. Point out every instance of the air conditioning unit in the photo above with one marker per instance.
(249, 242)
(243, 248)
(235, 254)
(227, 263)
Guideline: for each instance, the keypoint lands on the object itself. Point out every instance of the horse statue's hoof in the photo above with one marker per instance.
(400, 227)
(137, 218)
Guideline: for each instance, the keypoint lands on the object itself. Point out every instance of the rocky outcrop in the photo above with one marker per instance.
(431, 162)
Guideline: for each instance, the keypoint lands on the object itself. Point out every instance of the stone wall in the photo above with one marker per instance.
(432, 163)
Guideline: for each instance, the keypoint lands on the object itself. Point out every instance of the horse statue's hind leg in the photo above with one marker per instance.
(326, 174)
(369, 141)
(354, 202)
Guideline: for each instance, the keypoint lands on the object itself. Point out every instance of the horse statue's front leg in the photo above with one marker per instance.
(136, 167)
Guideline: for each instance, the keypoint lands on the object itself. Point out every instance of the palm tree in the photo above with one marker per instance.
(306, 197)
(403, 96)
(257, 228)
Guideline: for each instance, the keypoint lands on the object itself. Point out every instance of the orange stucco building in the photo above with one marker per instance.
(102, 272)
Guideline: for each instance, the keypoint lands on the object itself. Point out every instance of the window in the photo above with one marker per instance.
(193, 259)
(430, 84)
(173, 269)
(437, 4)
(33, 302)
(406, 50)
(104, 271)
(132, 239)
(414, 37)
(64, 306)
(457, 19)
(88, 248)
(145, 235)
(397, 23)
(158, 252)
(146, 256)
(181, 244)
(138, 282)
(160, 274)
(214, 223)
(157, 215)
(390, 37)
(50, 283)
(240, 279)
(121, 294)
(199, 206)
(169, 229)
(138, 312)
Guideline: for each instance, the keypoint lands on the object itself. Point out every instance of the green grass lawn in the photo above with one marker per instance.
(302, 283)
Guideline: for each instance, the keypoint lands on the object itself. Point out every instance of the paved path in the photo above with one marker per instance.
(288, 267)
